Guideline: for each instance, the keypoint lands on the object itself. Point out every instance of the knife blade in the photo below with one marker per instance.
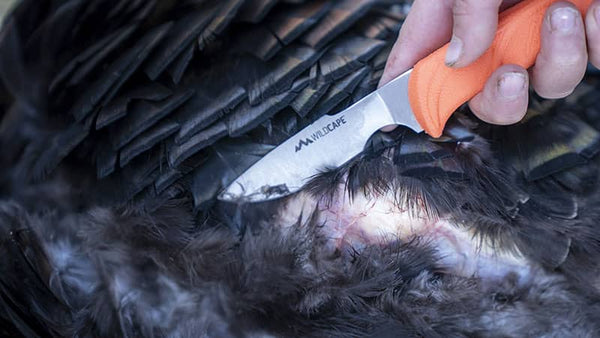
(423, 98)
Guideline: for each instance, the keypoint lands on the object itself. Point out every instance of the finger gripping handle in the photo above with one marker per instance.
(436, 90)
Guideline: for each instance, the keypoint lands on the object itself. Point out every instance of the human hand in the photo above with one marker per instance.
(472, 24)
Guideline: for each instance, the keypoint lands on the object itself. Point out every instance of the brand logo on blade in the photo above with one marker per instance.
(320, 133)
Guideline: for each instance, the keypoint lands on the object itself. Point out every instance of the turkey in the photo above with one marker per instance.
(121, 121)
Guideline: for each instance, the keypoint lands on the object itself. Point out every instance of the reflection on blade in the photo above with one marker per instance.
(328, 143)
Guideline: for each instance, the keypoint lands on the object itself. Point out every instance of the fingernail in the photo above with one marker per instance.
(563, 19)
(511, 85)
(455, 50)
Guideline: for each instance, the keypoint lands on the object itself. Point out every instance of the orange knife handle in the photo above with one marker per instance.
(436, 90)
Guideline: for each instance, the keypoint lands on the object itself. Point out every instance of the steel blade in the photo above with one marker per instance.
(327, 143)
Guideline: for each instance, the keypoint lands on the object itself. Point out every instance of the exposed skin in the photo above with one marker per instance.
(568, 42)
(350, 225)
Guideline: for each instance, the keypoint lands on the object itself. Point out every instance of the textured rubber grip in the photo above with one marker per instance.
(436, 90)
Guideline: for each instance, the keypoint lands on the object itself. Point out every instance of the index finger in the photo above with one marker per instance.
(475, 24)
(427, 27)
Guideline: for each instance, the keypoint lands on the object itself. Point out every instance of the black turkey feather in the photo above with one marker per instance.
(121, 121)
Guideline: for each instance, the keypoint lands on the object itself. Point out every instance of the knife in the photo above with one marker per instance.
(422, 99)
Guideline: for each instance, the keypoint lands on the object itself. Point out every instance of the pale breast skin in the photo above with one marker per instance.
(351, 224)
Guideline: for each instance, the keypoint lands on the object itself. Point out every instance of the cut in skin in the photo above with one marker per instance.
(350, 225)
